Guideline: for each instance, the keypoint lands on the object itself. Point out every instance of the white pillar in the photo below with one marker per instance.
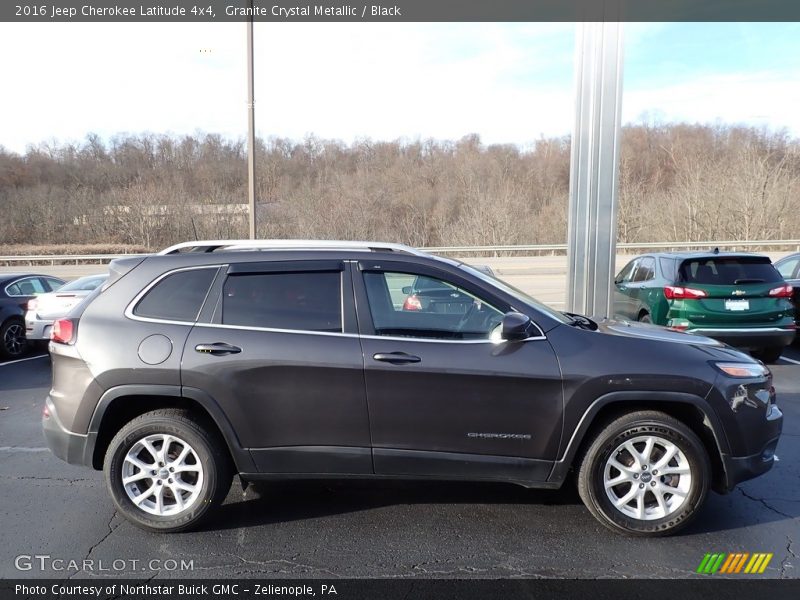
(594, 168)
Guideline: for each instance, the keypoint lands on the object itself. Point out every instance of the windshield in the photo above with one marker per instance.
(522, 296)
(84, 283)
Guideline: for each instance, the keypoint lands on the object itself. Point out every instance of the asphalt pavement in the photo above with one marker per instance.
(368, 529)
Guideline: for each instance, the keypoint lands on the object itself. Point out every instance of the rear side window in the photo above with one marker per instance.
(30, 286)
(177, 297)
(667, 268)
(300, 301)
(737, 270)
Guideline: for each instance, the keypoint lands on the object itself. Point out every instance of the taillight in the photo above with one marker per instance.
(673, 292)
(32, 304)
(784, 291)
(412, 303)
(63, 331)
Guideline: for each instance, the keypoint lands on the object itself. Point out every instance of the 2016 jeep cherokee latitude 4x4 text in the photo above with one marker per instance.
(297, 359)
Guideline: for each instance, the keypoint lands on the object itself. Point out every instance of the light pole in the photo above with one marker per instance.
(251, 130)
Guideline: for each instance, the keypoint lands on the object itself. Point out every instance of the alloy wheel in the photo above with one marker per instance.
(14, 339)
(162, 475)
(647, 478)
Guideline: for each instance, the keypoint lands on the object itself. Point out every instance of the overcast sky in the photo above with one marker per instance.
(510, 83)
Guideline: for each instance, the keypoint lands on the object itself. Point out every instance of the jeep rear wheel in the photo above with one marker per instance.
(165, 471)
(644, 474)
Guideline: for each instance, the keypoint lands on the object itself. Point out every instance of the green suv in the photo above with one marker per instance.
(740, 299)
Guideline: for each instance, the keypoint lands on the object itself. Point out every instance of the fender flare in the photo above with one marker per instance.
(241, 456)
(562, 466)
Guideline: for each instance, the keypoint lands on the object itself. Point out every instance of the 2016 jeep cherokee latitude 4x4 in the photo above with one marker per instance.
(297, 359)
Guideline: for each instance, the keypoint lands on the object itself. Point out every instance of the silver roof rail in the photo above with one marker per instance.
(213, 245)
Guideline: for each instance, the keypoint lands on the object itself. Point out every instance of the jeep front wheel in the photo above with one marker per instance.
(165, 471)
(645, 474)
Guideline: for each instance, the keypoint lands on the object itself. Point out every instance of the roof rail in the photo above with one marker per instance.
(214, 245)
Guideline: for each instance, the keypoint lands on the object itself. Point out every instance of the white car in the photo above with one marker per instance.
(45, 309)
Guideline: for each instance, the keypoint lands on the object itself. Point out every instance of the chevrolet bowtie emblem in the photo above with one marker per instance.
(738, 292)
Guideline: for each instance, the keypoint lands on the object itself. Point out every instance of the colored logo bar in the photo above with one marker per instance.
(737, 562)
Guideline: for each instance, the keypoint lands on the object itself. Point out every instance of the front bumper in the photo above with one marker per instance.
(750, 338)
(741, 468)
(74, 448)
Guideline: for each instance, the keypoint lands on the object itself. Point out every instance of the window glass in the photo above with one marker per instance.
(177, 297)
(84, 283)
(26, 287)
(55, 284)
(667, 268)
(625, 274)
(728, 271)
(436, 310)
(787, 269)
(646, 269)
(302, 301)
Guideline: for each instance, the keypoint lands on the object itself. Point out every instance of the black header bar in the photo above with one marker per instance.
(398, 10)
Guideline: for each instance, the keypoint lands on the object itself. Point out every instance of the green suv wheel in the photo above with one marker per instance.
(769, 355)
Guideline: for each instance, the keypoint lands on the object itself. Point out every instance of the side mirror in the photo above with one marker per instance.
(515, 327)
(406, 289)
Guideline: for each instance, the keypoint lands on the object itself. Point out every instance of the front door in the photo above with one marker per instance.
(443, 398)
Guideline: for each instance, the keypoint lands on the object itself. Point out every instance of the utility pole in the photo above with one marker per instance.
(251, 129)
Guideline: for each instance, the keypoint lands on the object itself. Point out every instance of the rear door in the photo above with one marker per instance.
(281, 356)
(736, 290)
(640, 286)
(444, 399)
(624, 306)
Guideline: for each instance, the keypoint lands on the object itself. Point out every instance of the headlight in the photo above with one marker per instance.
(742, 370)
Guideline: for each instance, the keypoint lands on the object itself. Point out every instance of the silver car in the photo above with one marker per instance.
(47, 308)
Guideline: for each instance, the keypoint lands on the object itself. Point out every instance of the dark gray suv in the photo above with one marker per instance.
(273, 359)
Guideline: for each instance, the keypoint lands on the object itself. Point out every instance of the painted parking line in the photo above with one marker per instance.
(19, 360)
(791, 360)
(22, 449)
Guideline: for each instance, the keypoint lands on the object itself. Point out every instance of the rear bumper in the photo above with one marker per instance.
(70, 447)
(754, 337)
(37, 329)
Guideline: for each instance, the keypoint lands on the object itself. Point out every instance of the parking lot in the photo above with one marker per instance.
(366, 529)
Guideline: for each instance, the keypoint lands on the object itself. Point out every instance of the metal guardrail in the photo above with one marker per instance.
(63, 258)
(794, 245)
(538, 248)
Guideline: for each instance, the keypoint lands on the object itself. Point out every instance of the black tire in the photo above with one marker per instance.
(628, 427)
(768, 355)
(12, 339)
(645, 318)
(210, 452)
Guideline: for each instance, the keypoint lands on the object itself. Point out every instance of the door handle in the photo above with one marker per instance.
(217, 349)
(396, 358)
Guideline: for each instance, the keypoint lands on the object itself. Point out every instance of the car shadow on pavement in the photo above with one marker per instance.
(266, 503)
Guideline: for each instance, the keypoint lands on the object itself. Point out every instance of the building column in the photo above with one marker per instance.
(594, 169)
